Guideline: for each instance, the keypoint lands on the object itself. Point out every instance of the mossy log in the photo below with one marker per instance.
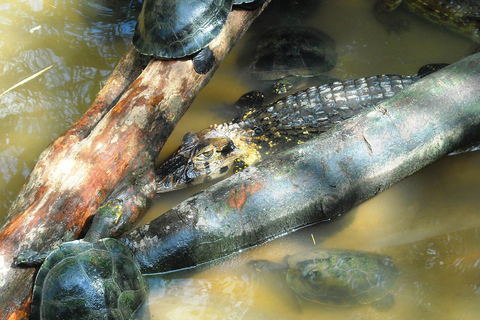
(109, 153)
(321, 178)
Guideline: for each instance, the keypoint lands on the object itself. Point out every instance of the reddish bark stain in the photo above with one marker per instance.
(155, 101)
(137, 82)
(19, 315)
(19, 311)
(239, 196)
(17, 222)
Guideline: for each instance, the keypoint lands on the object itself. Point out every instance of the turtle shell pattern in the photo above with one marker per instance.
(341, 277)
(293, 51)
(177, 28)
(83, 280)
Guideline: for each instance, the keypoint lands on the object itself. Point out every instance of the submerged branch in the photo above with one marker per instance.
(33, 76)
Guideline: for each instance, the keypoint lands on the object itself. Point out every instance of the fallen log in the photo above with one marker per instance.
(109, 153)
(321, 178)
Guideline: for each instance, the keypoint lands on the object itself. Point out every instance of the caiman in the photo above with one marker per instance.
(461, 16)
(263, 130)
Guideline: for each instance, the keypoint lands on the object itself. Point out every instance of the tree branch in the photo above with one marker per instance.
(108, 153)
(321, 178)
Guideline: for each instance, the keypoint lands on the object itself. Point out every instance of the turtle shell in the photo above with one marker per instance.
(341, 277)
(178, 28)
(83, 280)
(292, 51)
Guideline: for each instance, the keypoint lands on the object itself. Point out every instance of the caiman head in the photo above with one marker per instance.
(206, 155)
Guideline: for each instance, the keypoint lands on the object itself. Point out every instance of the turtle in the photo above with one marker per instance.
(92, 278)
(338, 277)
(289, 54)
(172, 29)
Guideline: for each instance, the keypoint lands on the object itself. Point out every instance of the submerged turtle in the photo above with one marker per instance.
(171, 29)
(338, 277)
(92, 278)
(288, 55)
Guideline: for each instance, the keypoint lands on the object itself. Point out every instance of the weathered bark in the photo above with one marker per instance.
(108, 153)
(321, 178)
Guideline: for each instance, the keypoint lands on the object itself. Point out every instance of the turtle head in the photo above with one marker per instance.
(105, 218)
(204, 156)
(263, 265)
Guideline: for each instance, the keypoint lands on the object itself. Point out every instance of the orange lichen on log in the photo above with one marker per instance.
(239, 196)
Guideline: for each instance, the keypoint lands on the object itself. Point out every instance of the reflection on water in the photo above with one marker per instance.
(428, 223)
(229, 297)
(83, 40)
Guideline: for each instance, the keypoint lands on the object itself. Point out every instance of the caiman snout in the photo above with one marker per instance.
(176, 172)
(203, 156)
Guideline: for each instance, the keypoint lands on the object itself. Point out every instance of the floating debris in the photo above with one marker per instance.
(26, 80)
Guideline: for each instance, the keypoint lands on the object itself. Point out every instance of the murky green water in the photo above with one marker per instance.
(428, 223)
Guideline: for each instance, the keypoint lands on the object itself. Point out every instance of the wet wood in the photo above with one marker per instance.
(321, 178)
(109, 153)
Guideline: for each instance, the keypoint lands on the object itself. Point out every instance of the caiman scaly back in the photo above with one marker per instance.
(212, 152)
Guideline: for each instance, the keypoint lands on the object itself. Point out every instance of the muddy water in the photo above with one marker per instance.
(428, 223)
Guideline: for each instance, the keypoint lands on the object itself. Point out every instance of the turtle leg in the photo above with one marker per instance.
(31, 258)
(203, 60)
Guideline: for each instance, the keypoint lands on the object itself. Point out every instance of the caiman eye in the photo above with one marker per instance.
(228, 149)
(207, 154)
